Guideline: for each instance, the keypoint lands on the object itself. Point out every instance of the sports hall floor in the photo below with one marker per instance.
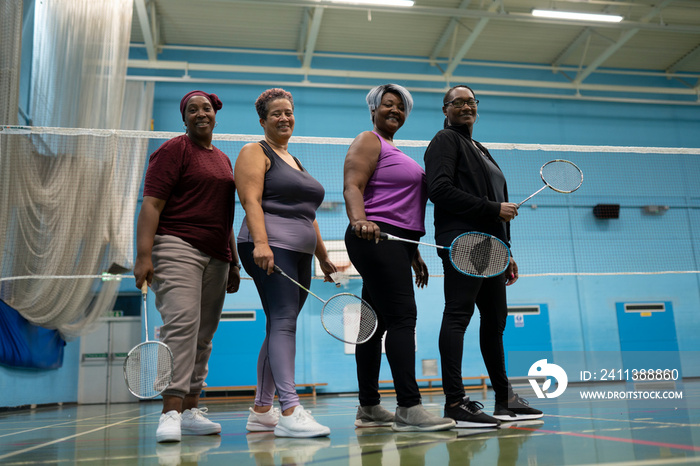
(573, 432)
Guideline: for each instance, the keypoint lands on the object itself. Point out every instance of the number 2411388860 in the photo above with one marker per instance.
(633, 375)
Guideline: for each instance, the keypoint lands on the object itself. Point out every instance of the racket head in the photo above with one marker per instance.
(349, 318)
(148, 369)
(563, 176)
(479, 254)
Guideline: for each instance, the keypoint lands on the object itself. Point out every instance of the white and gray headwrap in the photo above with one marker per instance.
(374, 96)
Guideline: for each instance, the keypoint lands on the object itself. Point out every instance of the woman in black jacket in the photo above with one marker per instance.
(470, 194)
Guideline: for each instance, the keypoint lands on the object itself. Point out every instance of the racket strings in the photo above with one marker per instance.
(481, 255)
(349, 318)
(148, 369)
(562, 176)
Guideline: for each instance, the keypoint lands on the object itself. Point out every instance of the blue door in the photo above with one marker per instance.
(648, 336)
(527, 338)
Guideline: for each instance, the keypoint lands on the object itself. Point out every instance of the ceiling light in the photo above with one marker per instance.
(576, 16)
(376, 2)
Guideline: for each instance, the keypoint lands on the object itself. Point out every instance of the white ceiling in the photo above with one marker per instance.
(656, 46)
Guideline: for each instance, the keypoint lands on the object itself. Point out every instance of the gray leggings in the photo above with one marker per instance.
(282, 301)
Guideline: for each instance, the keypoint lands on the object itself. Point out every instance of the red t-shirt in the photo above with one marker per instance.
(197, 185)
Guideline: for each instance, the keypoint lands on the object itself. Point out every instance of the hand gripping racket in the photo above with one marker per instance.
(148, 368)
(344, 316)
(473, 253)
(560, 175)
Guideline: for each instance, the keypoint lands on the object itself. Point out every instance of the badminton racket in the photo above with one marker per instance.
(344, 316)
(148, 368)
(560, 175)
(473, 253)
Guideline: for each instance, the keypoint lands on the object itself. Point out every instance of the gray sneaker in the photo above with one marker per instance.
(417, 419)
(373, 416)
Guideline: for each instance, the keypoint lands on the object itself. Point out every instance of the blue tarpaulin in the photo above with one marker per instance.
(23, 344)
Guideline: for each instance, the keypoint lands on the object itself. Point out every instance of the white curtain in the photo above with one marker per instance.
(10, 59)
(81, 48)
(68, 199)
(130, 165)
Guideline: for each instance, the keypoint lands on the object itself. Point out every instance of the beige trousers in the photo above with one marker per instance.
(190, 288)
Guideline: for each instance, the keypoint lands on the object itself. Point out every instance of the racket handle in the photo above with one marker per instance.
(144, 287)
(387, 236)
(391, 237)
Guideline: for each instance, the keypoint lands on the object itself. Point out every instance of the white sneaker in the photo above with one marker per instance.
(168, 427)
(194, 423)
(300, 424)
(263, 422)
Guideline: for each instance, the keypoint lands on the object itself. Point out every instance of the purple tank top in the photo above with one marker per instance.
(397, 191)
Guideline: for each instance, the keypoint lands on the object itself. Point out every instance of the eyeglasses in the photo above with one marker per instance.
(459, 103)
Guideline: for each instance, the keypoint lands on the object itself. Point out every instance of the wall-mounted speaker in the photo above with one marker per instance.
(607, 211)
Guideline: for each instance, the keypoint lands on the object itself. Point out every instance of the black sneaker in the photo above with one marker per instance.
(469, 414)
(517, 409)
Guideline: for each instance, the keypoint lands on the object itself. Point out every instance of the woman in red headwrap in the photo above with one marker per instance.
(185, 252)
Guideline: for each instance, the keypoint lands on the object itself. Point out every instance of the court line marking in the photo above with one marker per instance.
(663, 461)
(588, 418)
(63, 424)
(615, 439)
(46, 444)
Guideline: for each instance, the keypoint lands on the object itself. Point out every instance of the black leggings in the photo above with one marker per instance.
(462, 292)
(387, 285)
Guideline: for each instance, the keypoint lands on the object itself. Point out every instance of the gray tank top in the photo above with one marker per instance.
(289, 201)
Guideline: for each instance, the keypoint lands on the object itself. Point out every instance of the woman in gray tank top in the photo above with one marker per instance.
(280, 199)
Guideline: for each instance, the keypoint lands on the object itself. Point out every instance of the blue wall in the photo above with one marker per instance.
(21, 387)
(581, 309)
(343, 113)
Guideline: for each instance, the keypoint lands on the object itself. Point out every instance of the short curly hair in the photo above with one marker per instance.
(262, 102)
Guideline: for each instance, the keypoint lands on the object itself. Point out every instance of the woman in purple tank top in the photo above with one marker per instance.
(385, 190)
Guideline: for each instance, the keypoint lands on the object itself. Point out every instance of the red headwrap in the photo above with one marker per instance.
(215, 101)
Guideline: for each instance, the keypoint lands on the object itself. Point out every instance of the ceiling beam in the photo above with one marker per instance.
(626, 36)
(576, 43)
(685, 58)
(384, 76)
(394, 58)
(501, 14)
(303, 33)
(464, 49)
(148, 36)
(447, 33)
(335, 86)
(312, 36)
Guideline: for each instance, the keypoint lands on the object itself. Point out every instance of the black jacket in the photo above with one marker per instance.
(460, 187)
